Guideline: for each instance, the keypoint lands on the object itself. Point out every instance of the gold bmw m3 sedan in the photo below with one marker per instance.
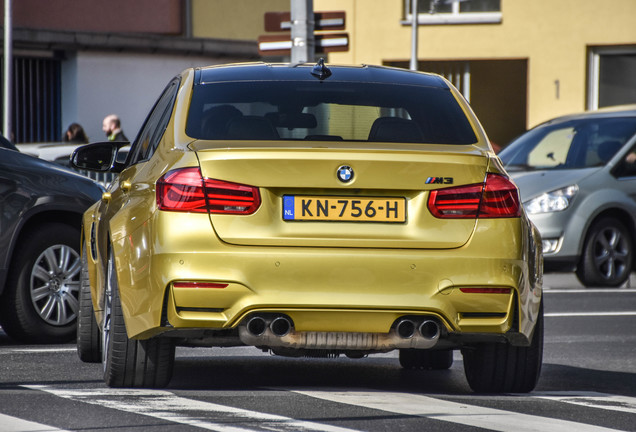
(310, 210)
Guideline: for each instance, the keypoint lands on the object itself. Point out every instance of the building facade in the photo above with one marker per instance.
(78, 61)
(518, 62)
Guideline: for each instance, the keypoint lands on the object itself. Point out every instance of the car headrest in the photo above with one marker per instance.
(395, 129)
(251, 128)
(608, 149)
(216, 121)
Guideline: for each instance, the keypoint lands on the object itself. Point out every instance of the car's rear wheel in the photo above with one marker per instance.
(40, 302)
(503, 368)
(88, 334)
(607, 254)
(426, 359)
(128, 362)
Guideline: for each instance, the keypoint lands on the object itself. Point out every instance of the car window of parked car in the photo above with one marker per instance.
(627, 166)
(321, 110)
(155, 125)
(572, 144)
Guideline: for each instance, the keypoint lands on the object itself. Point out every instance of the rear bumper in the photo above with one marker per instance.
(325, 292)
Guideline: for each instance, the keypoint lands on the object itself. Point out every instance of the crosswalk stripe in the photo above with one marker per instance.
(592, 400)
(590, 314)
(437, 409)
(14, 424)
(168, 406)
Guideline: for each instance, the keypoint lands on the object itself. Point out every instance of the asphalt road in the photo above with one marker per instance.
(588, 383)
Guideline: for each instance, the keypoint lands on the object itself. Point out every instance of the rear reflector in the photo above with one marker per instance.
(496, 198)
(484, 290)
(185, 190)
(198, 285)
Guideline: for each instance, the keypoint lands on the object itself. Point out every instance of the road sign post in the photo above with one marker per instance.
(299, 44)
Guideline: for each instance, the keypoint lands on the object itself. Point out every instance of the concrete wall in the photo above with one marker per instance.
(97, 84)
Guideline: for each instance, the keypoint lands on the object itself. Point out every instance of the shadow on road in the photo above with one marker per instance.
(253, 373)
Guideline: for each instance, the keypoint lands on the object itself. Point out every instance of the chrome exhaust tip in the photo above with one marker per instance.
(405, 328)
(429, 329)
(280, 326)
(256, 326)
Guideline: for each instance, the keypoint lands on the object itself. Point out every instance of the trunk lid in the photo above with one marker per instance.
(371, 202)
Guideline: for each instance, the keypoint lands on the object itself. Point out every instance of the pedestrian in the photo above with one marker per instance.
(75, 134)
(112, 128)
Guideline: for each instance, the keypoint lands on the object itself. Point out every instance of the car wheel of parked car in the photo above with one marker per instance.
(607, 254)
(40, 301)
(426, 359)
(128, 362)
(502, 368)
(88, 334)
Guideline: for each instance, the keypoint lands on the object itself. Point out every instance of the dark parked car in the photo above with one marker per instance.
(41, 204)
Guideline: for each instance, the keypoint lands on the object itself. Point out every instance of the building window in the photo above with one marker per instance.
(611, 77)
(454, 11)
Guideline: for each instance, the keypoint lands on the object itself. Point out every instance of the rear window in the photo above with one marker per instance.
(327, 111)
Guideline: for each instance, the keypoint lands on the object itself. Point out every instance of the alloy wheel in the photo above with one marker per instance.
(611, 252)
(108, 299)
(54, 285)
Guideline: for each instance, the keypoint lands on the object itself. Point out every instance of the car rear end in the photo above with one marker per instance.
(343, 240)
(318, 212)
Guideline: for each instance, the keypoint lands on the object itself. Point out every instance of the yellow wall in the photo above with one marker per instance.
(233, 19)
(552, 34)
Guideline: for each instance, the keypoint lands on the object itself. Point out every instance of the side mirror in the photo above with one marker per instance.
(101, 156)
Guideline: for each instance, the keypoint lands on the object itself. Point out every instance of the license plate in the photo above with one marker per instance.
(348, 209)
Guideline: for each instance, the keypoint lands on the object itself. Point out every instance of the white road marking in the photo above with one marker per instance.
(39, 350)
(590, 314)
(14, 424)
(168, 406)
(548, 290)
(592, 400)
(453, 412)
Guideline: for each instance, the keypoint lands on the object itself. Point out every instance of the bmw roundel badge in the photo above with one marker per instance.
(345, 173)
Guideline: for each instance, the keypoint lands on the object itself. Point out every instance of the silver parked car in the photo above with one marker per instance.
(577, 178)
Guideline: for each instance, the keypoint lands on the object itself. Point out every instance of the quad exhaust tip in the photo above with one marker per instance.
(256, 326)
(428, 329)
(279, 326)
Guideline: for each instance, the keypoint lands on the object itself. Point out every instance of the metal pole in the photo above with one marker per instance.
(8, 71)
(413, 65)
(302, 31)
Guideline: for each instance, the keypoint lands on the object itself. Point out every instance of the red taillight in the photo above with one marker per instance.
(185, 190)
(485, 290)
(181, 190)
(231, 198)
(199, 285)
(497, 198)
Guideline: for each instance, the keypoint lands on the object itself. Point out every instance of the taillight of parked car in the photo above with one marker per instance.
(498, 197)
(185, 190)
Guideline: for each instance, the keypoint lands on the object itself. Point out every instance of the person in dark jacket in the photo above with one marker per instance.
(112, 128)
(75, 134)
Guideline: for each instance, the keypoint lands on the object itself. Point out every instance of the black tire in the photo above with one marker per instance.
(503, 368)
(607, 256)
(88, 333)
(128, 362)
(426, 359)
(40, 302)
